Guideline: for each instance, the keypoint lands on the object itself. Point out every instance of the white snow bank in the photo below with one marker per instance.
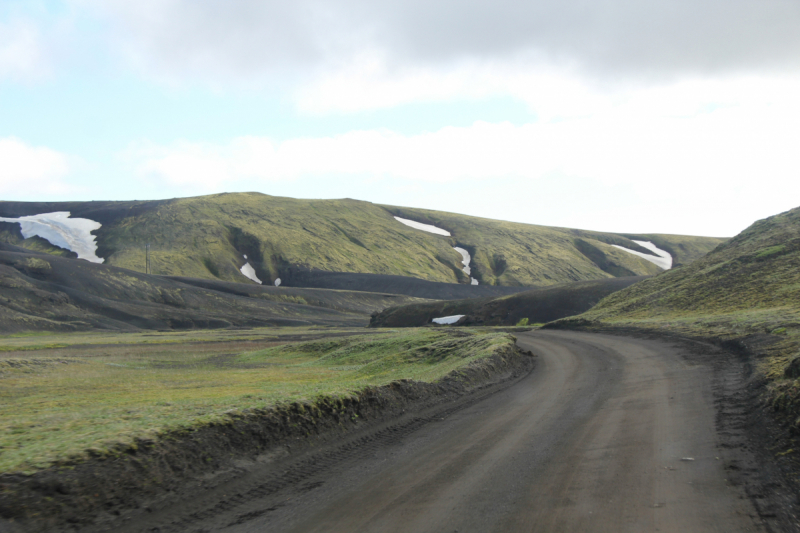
(277, 282)
(465, 261)
(447, 319)
(73, 234)
(423, 227)
(664, 260)
(250, 272)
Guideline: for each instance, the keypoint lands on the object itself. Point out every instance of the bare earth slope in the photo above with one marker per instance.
(207, 237)
(41, 292)
(386, 283)
(606, 434)
(537, 306)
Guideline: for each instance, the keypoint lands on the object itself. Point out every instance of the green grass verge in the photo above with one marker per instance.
(71, 403)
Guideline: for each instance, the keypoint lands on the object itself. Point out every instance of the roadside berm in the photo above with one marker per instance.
(111, 487)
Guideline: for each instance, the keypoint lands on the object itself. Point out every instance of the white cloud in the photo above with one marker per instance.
(21, 50)
(412, 43)
(28, 169)
(694, 137)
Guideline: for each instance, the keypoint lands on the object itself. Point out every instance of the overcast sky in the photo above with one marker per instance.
(664, 116)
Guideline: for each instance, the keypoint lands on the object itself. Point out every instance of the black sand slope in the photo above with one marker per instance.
(42, 292)
(537, 305)
(383, 283)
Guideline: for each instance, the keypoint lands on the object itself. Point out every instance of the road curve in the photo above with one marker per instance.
(606, 434)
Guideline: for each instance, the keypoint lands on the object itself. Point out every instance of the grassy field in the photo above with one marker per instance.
(72, 396)
(207, 236)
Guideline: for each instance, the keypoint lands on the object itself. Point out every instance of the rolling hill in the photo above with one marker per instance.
(209, 237)
(508, 253)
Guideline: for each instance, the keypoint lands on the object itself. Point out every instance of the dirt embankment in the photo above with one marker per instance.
(152, 474)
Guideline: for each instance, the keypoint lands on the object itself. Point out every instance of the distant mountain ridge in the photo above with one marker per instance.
(208, 237)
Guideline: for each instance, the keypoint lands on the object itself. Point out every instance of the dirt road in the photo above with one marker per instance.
(606, 434)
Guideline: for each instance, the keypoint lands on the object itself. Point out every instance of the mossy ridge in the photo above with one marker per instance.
(67, 409)
(207, 237)
(334, 235)
(509, 253)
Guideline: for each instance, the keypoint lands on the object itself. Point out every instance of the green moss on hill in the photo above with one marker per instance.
(207, 237)
(509, 253)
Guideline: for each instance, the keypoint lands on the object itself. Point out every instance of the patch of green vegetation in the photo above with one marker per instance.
(32, 347)
(106, 395)
(772, 250)
(523, 322)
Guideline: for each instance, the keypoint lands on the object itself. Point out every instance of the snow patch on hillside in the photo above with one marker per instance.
(423, 227)
(439, 231)
(465, 260)
(452, 319)
(664, 259)
(249, 272)
(73, 234)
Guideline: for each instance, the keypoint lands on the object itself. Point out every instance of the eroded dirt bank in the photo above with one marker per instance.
(107, 492)
(607, 434)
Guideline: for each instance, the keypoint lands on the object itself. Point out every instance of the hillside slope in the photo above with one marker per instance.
(208, 237)
(508, 253)
(40, 292)
(747, 290)
(755, 274)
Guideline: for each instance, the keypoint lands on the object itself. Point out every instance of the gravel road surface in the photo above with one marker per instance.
(607, 433)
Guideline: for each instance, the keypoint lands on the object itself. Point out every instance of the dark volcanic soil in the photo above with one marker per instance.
(42, 292)
(537, 305)
(382, 283)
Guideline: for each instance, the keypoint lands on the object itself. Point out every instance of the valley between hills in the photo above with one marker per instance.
(269, 363)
